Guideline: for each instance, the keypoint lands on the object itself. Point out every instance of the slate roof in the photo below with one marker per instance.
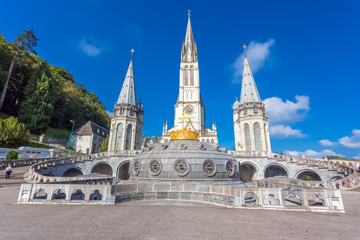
(90, 128)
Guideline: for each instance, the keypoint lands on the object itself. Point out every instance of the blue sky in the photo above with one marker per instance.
(304, 56)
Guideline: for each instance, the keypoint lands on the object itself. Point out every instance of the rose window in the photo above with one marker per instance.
(209, 167)
(181, 167)
(155, 167)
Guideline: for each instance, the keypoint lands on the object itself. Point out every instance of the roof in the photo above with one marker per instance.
(90, 128)
(249, 92)
(128, 94)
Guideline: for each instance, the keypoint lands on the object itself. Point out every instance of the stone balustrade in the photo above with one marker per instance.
(33, 175)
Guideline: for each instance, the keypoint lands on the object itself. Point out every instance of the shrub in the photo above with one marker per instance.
(308, 178)
(11, 155)
(104, 146)
(13, 133)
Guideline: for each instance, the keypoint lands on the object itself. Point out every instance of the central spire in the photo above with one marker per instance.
(189, 49)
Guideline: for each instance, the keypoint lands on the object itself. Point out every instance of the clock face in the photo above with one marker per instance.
(189, 109)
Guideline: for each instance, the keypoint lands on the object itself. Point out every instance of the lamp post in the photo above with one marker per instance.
(69, 144)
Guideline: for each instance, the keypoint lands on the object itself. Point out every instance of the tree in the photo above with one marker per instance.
(104, 146)
(308, 178)
(13, 133)
(11, 155)
(25, 41)
(40, 95)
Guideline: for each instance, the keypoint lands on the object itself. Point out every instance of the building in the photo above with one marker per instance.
(87, 138)
(127, 121)
(31, 152)
(251, 128)
(189, 100)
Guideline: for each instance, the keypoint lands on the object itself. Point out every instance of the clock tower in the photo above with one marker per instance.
(189, 100)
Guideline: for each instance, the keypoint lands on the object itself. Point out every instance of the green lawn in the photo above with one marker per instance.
(36, 145)
(57, 133)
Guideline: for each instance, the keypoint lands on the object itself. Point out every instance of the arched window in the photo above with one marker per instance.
(207, 141)
(257, 136)
(212, 141)
(247, 137)
(119, 136)
(128, 137)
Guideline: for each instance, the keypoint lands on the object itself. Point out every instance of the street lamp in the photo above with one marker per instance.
(72, 129)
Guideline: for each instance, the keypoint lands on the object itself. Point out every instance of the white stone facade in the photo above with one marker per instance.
(127, 122)
(189, 101)
(251, 128)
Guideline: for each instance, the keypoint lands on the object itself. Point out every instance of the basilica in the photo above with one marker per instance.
(189, 165)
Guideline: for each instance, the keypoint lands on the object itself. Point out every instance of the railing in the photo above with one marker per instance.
(34, 176)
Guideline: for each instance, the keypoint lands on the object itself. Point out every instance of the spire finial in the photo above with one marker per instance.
(244, 49)
(132, 51)
(189, 13)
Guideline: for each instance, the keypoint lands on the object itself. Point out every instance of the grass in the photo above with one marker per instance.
(36, 145)
(57, 133)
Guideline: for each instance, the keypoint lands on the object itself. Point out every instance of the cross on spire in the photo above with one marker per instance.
(132, 51)
(189, 12)
(244, 49)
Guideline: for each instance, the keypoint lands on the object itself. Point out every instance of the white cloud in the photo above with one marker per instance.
(280, 111)
(356, 157)
(283, 113)
(313, 154)
(285, 131)
(110, 113)
(92, 46)
(327, 143)
(257, 53)
(353, 141)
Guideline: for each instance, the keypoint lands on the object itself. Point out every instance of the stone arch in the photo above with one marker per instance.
(250, 199)
(207, 141)
(335, 178)
(123, 171)
(119, 136)
(212, 141)
(58, 194)
(257, 136)
(78, 195)
(249, 171)
(247, 137)
(95, 196)
(350, 164)
(102, 168)
(40, 194)
(128, 137)
(308, 172)
(203, 140)
(271, 199)
(273, 169)
(72, 172)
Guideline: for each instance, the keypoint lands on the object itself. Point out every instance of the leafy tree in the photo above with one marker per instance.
(308, 178)
(104, 146)
(40, 94)
(12, 133)
(25, 41)
(11, 155)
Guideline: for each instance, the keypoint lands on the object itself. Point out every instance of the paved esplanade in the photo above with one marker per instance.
(20, 221)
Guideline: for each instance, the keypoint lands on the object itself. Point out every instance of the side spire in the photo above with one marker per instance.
(249, 92)
(127, 94)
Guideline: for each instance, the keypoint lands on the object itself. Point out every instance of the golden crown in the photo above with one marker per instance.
(184, 134)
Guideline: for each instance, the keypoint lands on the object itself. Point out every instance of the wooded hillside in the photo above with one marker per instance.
(41, 94)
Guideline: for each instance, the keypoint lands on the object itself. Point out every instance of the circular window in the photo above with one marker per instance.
(155, 167)
(209, 167)
(189, 109)
(183, 146)
(230, 168)
(136, 167)
(181, 167)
